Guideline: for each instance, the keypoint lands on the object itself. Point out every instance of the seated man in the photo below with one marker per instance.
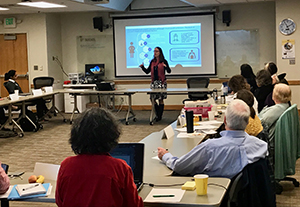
(225, 156)
(269, 115)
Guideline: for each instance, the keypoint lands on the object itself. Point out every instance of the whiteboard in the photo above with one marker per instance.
(94, 50)
(234, 48)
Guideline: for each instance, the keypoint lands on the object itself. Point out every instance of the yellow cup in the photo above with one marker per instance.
(201, 184)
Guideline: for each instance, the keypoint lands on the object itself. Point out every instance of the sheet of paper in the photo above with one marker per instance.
(5, 195)
(189, 135)
(155, 158)
(196, 127)
(209, 131)
(178, 194)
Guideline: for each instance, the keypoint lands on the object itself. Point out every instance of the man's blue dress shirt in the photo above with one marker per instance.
(220, 157)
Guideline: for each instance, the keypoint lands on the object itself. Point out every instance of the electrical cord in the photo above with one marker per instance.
(60, 65)
(217, 185)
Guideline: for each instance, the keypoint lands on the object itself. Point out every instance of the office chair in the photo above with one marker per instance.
(39, 82)
(287, 145)
(251, 187)
(23, 115)
(197, 82)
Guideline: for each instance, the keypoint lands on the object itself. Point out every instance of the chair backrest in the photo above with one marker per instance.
(197, 82)
(40, 82)
(287, 142)
(252, 186)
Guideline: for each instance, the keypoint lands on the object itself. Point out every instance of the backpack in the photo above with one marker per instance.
(26, 125)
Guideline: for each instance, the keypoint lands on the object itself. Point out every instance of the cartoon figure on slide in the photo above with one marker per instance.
(157, 67)
(131, 50)
(192, 55)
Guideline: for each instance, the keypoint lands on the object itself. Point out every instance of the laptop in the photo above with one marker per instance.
(133, 154)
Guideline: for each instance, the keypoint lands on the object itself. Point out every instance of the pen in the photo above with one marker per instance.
(159, 196)
(31, 187)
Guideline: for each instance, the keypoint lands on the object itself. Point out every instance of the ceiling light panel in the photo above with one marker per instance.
(3, 9)
(41, 4)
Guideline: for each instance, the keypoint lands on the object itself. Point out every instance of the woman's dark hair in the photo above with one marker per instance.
(248, 98)
(263, 78)
(95, 131)
(9, 74)
(237, 82)
(247, 72)
(161, 55)
(271, 67)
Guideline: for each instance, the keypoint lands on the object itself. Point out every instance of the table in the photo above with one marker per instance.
(88, 92)
(168, 91)
(23, 100)
(158, 173)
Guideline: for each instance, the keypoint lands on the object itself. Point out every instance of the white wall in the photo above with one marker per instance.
(288, 9)
(72, 26)
(35, 27)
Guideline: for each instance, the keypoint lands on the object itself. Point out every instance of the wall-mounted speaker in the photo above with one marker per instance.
(226, 16)
(98, 24)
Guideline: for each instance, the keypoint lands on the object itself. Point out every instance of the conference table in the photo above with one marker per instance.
(155, 172)
(129, 93)
(23, 100)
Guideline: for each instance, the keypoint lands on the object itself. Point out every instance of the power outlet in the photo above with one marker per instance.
(35, 67)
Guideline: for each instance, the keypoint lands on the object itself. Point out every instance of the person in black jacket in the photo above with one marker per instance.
(157, 67)
(247, 73)
(11, 85)
(265, 87)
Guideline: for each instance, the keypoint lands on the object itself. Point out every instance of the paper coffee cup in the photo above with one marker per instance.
(17, 92)
(201, 183)
(211, 115)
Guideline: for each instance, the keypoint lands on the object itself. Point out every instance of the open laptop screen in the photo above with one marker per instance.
(133, 154)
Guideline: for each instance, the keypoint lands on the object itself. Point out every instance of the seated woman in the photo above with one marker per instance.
(265, 87)
(254, 126)
(93, 177)
(247, 73)
(11, 85)
(236, 83)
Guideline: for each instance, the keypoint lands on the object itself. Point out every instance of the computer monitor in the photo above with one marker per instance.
(94, 72)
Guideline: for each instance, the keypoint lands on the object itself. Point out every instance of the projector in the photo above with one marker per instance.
(96, 1)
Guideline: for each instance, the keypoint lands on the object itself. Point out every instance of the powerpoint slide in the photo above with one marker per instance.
(180, 43)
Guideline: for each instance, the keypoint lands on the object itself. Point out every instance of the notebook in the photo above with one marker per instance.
(133, 154)
(30, 189)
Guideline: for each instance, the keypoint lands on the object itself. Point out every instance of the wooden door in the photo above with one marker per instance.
(13, 56)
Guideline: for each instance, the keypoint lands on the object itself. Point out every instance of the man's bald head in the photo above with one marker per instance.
(282, 93)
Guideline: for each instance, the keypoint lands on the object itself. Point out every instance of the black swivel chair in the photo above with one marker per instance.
(44, 81)
(252, 187)
(40, 82)
(197, 82)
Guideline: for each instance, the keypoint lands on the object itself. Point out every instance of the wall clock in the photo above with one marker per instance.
(287, 26)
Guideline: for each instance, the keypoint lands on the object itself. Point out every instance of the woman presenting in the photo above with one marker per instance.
(157, 67)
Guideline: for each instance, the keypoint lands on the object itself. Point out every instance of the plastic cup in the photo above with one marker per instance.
(17, 92)
(211, 115)
(201, 184)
